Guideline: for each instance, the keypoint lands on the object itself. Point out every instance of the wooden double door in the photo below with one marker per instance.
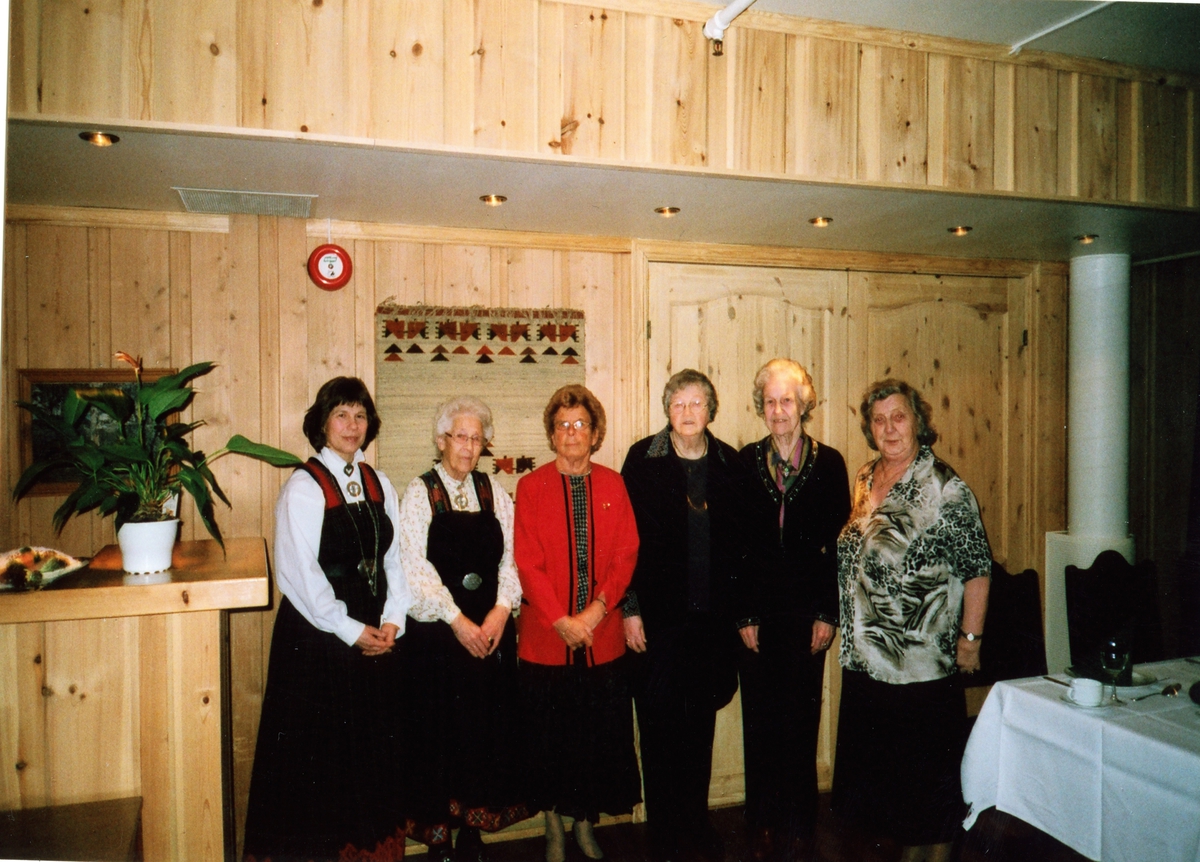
(960, 340)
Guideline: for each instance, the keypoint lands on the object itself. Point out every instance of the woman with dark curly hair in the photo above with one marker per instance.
(324, 784)
(575, 546)
(913, 568)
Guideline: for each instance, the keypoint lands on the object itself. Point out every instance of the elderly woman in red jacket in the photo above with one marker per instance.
(575, 545)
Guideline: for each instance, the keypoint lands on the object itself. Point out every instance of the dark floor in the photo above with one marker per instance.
(996, 838)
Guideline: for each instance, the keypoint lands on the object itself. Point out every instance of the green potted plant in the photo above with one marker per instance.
(139, 476)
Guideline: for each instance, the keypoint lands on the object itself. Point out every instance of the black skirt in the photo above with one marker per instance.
(324, 783)
(899, 755)
(579, 740)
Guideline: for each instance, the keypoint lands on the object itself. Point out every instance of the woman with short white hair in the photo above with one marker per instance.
(456, 541)
(797, 499)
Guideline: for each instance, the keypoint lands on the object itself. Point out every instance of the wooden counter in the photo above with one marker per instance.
(179, 658)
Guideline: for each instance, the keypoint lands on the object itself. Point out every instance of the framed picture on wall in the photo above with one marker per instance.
(48, 388)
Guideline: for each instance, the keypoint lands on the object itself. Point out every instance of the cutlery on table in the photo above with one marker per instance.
(1169, 691)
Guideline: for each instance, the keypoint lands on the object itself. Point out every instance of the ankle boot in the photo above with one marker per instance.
(586, 839)
(556, 840)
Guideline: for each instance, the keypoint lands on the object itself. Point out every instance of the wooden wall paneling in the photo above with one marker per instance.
(139, 288)
(937, 69)
(406, 48)
(1048, 362)
(332, 323)
(100, 300)
(91, 694)
(551, 81)
(893, 115)
(356, 40)
(14, 354)
(188, 61)
(1068, 133)
(26, 782)
(253, 57)
(758, 92)
(528, 277)
(180, 737)
(1035, 131)
(1003, 156)
(459, 72)
(640, 87)
(721, 95)
(306, 67)
(1097, 138)
(58, 323)
(504, 70)
(589, 281)
(679, 58)
(590, 106)
(83, 63)
(225, 330)
(399, 269)
(1164, 133)
(25, 27)
(1016, 428)
(363, 285)
(969, 123)
(1131, 143)
(823, 107)
(458, 275)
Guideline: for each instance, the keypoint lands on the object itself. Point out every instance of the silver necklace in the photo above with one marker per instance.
(367, 568)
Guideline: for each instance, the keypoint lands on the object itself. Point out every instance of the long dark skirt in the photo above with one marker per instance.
(899, 754)
(781, 712)
(579, 740)
(326, 769)
(461, 730)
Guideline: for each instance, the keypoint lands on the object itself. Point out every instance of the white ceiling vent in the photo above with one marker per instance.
(251, 203)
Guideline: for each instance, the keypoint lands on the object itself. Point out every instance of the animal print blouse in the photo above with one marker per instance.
(901, 570)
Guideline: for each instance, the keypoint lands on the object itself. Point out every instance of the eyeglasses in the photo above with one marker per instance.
(578, 425)
(462, 439)
(681, 406)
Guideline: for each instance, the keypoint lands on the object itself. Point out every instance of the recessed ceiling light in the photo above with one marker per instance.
(820, 221)
(1087, 238)
(667, 212)
(960, 230)
(99, 139)
(493, 200)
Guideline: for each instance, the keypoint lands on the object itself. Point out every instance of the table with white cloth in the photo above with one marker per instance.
(1115, 783)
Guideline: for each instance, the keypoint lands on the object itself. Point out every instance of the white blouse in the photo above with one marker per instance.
(431, 600)
(299, 515)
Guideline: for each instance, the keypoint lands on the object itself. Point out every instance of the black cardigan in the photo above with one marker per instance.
(794, 572)
(657, 488)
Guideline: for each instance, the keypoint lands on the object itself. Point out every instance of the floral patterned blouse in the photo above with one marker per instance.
(901, 570)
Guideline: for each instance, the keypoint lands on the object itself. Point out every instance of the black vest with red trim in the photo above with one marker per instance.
(352, 533)
(461, 544)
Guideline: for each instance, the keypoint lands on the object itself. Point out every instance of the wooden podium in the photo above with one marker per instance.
(181, 661)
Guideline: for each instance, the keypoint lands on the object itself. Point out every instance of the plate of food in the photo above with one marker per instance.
(33, 568)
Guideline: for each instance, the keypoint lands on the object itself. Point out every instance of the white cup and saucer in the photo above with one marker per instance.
(1087, 693)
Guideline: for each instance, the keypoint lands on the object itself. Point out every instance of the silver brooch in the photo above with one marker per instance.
(472, 581)
(354, 488)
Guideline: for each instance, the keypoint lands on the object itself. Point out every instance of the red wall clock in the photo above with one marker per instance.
(329, 266)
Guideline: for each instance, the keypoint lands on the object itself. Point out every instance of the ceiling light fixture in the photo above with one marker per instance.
(820, 221)
(493, 200)
(99, 139)
(1087, 238)
(960, 230)
(667, 212)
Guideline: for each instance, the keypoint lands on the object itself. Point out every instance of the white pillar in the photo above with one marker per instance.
(1097, 435)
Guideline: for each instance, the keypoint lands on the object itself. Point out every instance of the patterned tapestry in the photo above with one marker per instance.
(512, 358)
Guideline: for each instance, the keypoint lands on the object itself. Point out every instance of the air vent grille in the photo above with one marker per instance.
(251, 203)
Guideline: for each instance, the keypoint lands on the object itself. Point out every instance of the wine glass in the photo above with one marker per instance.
(1114, 659)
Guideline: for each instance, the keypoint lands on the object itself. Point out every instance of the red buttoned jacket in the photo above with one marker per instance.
(544, 551)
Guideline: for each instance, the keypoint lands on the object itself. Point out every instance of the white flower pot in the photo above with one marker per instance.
(146, 547)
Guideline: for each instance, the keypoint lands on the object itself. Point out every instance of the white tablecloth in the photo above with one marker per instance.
(1118, 784)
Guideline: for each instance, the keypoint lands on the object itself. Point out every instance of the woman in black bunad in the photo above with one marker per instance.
(325, 783)
(684, 485)
(797, 501)
(460, 722)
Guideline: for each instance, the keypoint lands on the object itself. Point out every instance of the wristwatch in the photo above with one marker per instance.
(971, 636)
